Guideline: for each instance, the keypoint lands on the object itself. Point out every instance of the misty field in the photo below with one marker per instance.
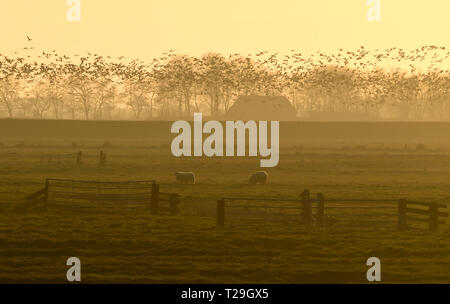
(120, 245)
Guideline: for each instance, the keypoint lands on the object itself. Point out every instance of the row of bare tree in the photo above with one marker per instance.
(412, 83)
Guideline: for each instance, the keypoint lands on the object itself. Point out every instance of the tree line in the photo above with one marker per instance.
(414, 84)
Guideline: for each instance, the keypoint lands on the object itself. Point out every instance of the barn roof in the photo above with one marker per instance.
(261, 108)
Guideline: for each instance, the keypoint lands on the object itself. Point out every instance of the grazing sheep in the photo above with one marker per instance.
(259, 177)
(185, 177)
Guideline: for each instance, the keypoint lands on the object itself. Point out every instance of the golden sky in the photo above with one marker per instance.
(146, 28)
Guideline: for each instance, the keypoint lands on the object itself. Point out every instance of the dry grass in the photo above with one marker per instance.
(117, 245)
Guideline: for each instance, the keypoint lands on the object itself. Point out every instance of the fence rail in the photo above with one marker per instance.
(316, 210)
(143, 192)
(304, 206)
(77, 158)
(432, 214)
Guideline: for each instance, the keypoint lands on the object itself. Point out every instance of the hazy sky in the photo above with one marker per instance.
(146, 28)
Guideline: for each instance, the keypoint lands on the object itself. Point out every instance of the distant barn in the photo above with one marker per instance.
(262, 108)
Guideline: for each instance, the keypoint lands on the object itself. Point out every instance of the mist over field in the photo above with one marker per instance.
(122, 242)
(135, 145)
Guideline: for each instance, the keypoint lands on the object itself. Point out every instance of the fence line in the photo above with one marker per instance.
(78, 157)
(432, 215)
(312, 209)
(154, 199)
(305, 207)
(99, 182)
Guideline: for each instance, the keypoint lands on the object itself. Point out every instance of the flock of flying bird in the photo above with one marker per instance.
(262, 73)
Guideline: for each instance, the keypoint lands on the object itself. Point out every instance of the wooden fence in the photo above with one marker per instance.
(273, 209)
(77, 158)
(135, 193)
(316, 210)
(422, 211)
(34, 201)
(170, 201)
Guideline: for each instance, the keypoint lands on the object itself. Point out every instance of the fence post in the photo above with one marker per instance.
(320, 209)
(307, 210)
(79, 158)
(221, 213)
(173, 200)
(155, 198)
(401, 214)
(102, 160)
(47, 184)
(433, 217)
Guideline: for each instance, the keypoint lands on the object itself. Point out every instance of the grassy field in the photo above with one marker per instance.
(122, 245)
